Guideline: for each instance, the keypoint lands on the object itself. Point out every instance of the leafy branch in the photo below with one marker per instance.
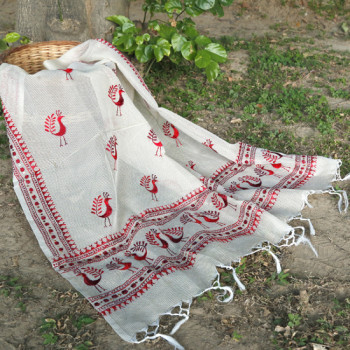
(10, 38)
(177, 39)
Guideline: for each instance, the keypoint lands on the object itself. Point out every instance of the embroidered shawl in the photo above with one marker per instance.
(133, 204)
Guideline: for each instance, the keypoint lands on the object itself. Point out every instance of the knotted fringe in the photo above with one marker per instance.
(294, 238)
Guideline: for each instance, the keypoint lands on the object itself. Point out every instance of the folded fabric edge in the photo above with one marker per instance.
(292, 238)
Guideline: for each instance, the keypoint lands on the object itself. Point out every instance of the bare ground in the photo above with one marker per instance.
(246, 323)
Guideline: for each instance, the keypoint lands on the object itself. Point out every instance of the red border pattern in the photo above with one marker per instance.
(126, 60)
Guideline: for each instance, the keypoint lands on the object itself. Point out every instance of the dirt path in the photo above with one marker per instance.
(30, 290)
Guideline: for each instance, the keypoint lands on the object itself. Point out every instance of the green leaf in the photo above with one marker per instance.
(25, 40)
(217, 51)
(154, 25)
(177, 41)
(129, 41)
(173, 6)
(12, 37)
(193, 11)
(82, 321)
(158, 53)
(3, 45)
(129, 28)
(146, 37)
(202, 40)
(226, 2)
(217, 10)
(166, 31)
(161, 49)
(175, 57)
(164, 45)
(205, 4)
(191, 32)
(144, 53)
(212, 70)
(203, 58)
(139, 40)
(188, 50)
(118, 19)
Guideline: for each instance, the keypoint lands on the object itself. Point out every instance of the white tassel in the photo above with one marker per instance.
(169, 339)
(221, 298)
(307, 202)
(303, 239)
(240, 285)
(312, 229)
(179, 324)
(277, 261)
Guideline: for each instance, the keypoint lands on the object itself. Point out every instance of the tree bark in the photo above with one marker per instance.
(78, 20)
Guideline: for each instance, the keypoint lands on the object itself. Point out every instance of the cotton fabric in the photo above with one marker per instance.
(130, 202)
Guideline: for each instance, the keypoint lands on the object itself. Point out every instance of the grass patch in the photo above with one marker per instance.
(279, 93)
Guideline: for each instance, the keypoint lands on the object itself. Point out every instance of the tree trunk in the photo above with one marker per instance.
(78, 20)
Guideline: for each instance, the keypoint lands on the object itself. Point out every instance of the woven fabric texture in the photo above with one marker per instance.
(133, 204)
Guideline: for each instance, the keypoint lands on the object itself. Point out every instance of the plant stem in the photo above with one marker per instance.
(149, 66)
(177, 16)
(144, 18)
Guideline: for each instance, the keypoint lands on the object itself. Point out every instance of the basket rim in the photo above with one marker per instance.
(17, 49)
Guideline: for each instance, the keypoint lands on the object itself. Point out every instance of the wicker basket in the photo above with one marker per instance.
(31, 57)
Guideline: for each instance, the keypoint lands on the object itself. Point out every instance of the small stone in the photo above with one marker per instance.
(279, 329)
(288, 332)
(318, 347)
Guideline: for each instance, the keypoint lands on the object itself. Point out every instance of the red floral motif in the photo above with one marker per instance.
(102, 208)
(94, 273)
(118, 264)
(139, 252)
(146, 182)
(54, 125)
(209, 143)
(115, 94)
(112, 149)
(171, 131)
(153, 137)
(220, 201)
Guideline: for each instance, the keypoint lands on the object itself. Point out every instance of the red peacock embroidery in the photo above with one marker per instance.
(139, 252)
(260, 170)
(115, 94)
(273, 157)
(174, 234)
(189, 217)
(209, 144)
(68, 75)
(190, 164)
(171, 131)
(153, 137)
(118, 264)
(94, 273)
(112, 149)
(54, 125)
(220, 201)
(102, 208)
(149, 183)
(250, 180)
(210, 217)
